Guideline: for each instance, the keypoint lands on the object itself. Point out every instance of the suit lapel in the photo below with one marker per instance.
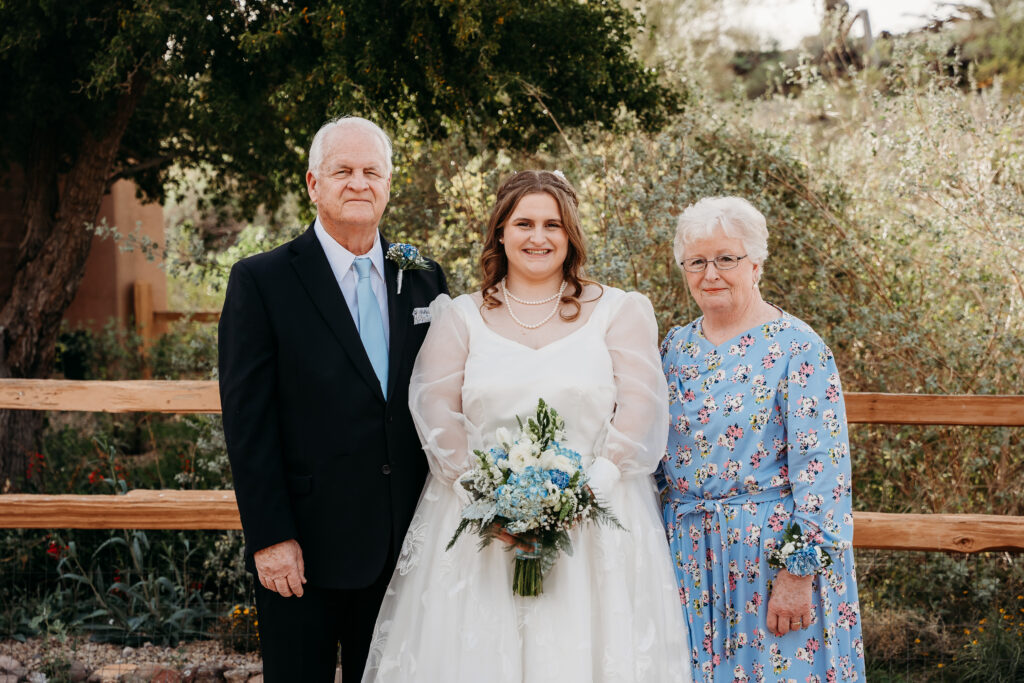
(310, 264)
(398, 317)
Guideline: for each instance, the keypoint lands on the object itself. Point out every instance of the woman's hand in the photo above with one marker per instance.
(511, 539)
(789, 607)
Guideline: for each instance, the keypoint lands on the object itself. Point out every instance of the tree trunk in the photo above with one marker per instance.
(51, 262)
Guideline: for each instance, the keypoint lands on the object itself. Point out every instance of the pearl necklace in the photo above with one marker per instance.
(507, 296)
(531, 303)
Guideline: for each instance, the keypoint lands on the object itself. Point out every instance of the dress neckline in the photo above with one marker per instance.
(698, 325)
(490, 330)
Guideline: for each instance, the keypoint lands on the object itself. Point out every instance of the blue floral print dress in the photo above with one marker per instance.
(759, 439)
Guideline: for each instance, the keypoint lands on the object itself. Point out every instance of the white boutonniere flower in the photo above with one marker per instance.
(406, 257)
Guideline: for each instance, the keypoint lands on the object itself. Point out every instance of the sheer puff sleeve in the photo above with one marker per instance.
(435, 393)
(635, 436)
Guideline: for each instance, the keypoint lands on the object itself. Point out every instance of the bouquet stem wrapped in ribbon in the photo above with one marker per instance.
(533, 488)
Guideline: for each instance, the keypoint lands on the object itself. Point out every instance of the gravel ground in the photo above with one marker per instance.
(34, 651)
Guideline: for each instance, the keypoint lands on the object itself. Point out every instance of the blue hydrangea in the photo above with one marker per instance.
(803, 562)
(558, 478)
(522, 496)
(498, 454)
(566, 452)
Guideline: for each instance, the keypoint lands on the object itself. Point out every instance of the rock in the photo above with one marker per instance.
(77, 672)
(203, 674)
(167, 676)
(8, 678)
(145, 673)
(111, 673)
(258, 678)
(127, 651)
(36, 677)
(10, 665)
(242, 674)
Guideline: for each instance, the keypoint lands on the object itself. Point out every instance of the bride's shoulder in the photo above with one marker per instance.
(613, 297)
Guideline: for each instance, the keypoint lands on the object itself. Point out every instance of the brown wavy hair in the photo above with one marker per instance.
(494, 262)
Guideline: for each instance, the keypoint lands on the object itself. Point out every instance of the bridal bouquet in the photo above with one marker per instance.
(533, 488)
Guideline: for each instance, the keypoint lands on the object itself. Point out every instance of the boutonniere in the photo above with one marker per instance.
(406, 257)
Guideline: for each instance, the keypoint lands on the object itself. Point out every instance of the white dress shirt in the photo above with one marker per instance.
(341, 260)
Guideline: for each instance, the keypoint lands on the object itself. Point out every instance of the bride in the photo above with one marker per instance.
(537, 329)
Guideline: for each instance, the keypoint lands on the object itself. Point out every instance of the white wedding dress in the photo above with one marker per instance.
(610, 611)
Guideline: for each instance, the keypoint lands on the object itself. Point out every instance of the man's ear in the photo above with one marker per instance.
(311, 182)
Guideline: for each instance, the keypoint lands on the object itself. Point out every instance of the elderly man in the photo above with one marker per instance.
(317, 341)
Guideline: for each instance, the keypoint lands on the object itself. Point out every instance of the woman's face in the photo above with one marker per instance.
(721, 291)
(536, 243)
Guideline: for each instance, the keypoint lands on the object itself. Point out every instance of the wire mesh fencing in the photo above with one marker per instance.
(926, 616)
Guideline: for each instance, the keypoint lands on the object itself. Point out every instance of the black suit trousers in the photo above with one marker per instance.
(299, 637)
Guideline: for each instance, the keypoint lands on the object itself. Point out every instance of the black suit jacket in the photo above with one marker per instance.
(317, 453)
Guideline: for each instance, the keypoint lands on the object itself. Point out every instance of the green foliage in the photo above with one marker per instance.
(236, 91)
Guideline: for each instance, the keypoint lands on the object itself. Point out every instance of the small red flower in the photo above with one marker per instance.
(56, 551)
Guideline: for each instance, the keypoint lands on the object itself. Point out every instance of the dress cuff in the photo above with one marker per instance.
(602, 476)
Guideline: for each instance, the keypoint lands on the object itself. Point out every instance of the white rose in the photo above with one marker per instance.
(560, 462)
(520, 456)
(546, 459)
(503, 436)
(788, 549)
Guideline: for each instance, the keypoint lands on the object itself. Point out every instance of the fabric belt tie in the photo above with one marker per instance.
(683, 504)
(371, 325)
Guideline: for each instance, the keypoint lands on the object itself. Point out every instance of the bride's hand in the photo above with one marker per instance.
(511, 539)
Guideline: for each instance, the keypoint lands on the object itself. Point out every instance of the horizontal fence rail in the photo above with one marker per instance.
(168, 509)
(201, 396)
(172, 509)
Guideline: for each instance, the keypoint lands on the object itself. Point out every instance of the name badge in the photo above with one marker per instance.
(420, 315)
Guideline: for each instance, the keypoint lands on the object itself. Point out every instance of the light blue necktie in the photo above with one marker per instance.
(371, 326)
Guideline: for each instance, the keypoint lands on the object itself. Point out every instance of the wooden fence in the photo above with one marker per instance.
(151, 323)
(169, 509)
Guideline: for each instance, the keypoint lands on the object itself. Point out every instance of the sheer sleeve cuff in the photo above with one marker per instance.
(602, 476)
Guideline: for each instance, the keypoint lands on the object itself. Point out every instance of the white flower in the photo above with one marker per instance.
(520, 456)
(547, 458)
(503, 436)
(788, 549)
(560, 462)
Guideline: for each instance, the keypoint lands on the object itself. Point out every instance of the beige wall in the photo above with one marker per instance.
(106, 290)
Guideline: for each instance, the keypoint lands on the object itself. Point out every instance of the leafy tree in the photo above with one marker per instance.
(98, 90)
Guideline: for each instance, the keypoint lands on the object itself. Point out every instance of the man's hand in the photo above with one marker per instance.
(280, 568)
(789, 608)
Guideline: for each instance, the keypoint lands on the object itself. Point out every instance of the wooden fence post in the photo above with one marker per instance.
(142, 299)
(143, 303)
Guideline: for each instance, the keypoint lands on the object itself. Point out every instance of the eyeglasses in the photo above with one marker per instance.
(723, 262)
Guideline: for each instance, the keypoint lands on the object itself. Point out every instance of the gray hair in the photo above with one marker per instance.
(316, 148)
(736, 217)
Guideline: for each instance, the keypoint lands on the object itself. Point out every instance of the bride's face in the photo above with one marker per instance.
(536, 243)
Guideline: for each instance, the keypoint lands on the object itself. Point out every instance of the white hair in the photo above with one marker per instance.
(316, 148)
(735, 216)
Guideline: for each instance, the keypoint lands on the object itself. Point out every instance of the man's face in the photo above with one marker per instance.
(352, 186)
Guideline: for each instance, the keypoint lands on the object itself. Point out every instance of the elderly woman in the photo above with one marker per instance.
(757, 470)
